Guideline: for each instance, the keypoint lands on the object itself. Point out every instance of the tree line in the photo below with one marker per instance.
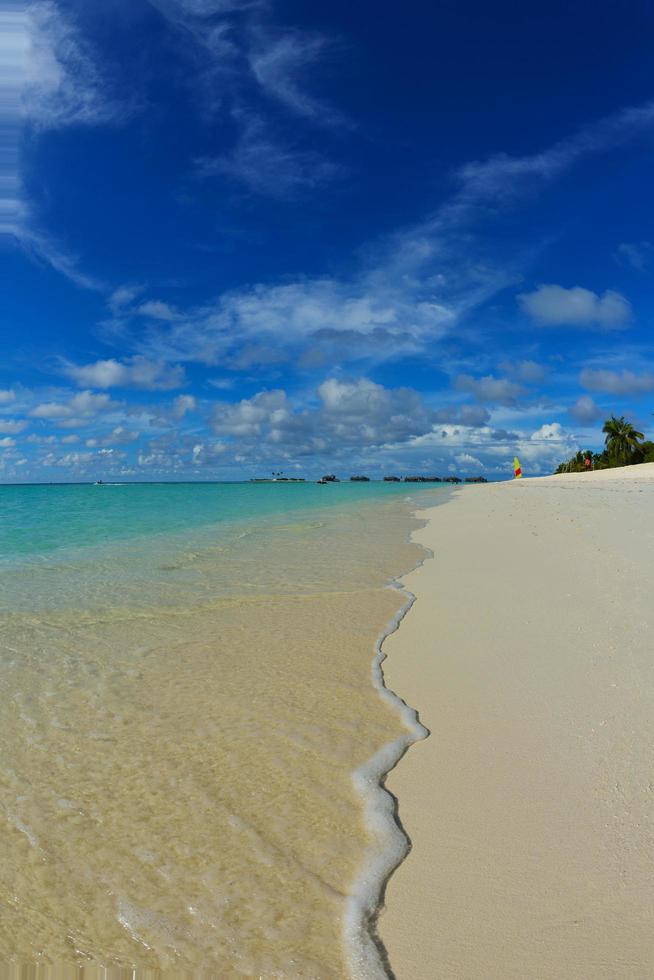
(624, 445)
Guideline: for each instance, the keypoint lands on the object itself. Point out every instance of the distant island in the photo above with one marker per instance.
(359, 478)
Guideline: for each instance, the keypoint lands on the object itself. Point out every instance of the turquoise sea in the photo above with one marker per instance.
(36, 519)
(187, 691)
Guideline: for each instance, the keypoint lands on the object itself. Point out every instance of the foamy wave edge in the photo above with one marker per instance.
(365, 954)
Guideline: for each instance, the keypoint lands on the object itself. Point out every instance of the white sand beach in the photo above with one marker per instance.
(530, 656)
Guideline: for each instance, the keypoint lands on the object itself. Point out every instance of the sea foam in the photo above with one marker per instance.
(365, 954)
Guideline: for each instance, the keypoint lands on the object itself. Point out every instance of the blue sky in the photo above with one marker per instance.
(240, 236)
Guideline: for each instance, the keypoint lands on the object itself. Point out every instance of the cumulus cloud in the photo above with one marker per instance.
(529, 372)
(617, 382)
(550, 431)
(7, 395)
(7, 442)
(551, 305)
(489, 389)
(351, 414)
(540, 450)
(80, 407)
(468, 415)
(468, 462)
(248, 417)
(133, 372)
(585, 410)
(12, 427)
(119, 436)
(43, 440)
(183, 404)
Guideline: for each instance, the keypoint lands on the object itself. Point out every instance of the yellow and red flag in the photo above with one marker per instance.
(516, 468)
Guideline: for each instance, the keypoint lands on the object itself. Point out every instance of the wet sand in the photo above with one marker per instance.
(179, 726)
(530, 656)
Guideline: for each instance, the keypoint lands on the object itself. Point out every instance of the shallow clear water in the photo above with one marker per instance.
(186, 691)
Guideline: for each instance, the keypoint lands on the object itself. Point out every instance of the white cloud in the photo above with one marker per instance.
(467, 415)
(248, 417)
(351, 415)
(552, 305)
(540, 451)
(134, 372)
(51, 80)
(11, 427)
(63, 85)
(352, 319)
(279, 60)
(411, 289)
(7, 442)
(489, 389)
(42, 440)
(551, 431)
(617, 382)
(124, 295)
(119, 436)
(183, 404)
(78, 409)
(638, 255)
(585, 410)
(468, 462)
(529, 372)
(70, 459)
(503, 178)
(7, 395)
(277, 57)
(268, 167)
(157, 310)
(14, 51)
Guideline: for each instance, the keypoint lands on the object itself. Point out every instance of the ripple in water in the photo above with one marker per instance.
(180, 725)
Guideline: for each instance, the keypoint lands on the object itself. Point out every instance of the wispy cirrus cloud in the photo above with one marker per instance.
(63, 84)
(279, 60)
(244, 47)
(268, 166)
(413, 287)
(49, 79)
(249, 67)
(502, 178)
(638, 255)
(349, 318)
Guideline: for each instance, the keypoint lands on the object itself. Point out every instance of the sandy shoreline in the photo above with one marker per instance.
(531, 807)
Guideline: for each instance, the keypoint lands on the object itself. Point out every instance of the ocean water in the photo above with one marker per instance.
(187, 692)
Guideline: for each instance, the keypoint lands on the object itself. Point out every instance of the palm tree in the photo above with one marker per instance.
(621, 440)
